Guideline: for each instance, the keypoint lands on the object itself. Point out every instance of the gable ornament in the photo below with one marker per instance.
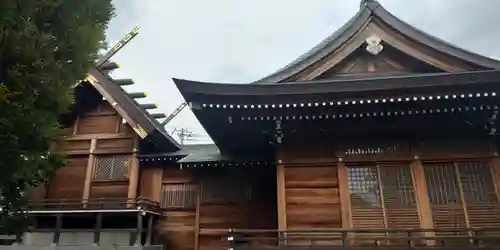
(374, 45)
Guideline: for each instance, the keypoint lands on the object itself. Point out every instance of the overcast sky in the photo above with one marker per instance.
(244, 40)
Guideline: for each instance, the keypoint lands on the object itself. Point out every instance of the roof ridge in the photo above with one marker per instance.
(434, 37)
(368, 3)
(360, 17)
(369, 8)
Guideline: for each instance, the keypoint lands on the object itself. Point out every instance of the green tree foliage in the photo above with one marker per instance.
(46, 46)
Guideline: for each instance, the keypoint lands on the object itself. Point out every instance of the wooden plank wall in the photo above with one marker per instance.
(312, 197)
(150, 183)
(313, 188)
(203, 225)
(176, 228)
(308, 188)
(99, 132)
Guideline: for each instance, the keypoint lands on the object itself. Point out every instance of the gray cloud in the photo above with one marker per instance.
(241, 40)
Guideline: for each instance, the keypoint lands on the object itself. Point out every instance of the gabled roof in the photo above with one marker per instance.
(371, 10)
(137, 117)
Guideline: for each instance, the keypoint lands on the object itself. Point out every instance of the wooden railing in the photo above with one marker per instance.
(298, 239)
(91, 204)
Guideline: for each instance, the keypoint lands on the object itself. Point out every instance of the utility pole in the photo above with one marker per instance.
(183, 134)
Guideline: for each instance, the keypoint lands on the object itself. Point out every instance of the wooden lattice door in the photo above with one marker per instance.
(462, 195)
(382, 196)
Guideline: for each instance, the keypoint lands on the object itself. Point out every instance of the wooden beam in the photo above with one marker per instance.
(89, 171)
(98, 136)
(133, 173)
(98, 151)
(114, 151)
(345, 200)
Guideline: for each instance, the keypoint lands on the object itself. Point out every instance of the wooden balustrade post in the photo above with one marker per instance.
(57, 231)
(138, 236)
(149, 234)
(97, 229)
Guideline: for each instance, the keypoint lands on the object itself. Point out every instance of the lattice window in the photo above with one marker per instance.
(442, 184)
(364, 186)
(382, 196)
(462, 195)
(180, 195)
(111, 168)
(230, 186)
(477, 183)
(397, 188)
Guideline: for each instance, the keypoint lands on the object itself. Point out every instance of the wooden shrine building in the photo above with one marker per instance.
(380, 135)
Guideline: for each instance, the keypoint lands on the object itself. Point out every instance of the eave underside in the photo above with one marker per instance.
(244, 131)
(228, 111)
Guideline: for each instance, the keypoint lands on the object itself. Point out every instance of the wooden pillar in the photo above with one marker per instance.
(495, 167)
(133, 173)
(345, 200)
(495, 174)
(156, 185)
(281, 195)
(97, 228)
(422, 198)
(197, 219)
(89, 171)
